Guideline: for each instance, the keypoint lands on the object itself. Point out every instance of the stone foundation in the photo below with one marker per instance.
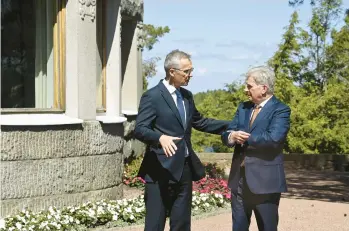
(60, 165)
(133, 148)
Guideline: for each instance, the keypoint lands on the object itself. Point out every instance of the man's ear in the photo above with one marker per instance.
(265, 90)
(171, 72)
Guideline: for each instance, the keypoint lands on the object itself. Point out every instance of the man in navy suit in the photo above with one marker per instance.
(165, 118)
(258, 131)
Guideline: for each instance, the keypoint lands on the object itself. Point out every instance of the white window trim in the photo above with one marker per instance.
(111, 119)
(129, 112)
(37, 119)
(113, 93)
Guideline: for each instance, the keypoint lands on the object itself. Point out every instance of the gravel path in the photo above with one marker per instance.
(316, 201)
(295, 215)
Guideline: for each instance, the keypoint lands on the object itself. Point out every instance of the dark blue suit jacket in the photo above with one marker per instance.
(158, 115)
(263, 151)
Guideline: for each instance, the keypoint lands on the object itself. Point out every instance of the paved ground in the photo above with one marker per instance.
(315, 201)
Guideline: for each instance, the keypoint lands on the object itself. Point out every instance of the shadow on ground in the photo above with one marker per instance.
(318, 185)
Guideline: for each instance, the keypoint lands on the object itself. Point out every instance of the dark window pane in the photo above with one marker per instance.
(17, 53)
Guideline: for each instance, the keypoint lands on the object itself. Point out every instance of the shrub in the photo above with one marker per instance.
(212, 185)
(213, 170)
(130, 173)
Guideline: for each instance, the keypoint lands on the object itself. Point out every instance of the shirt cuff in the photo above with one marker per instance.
(230, 141)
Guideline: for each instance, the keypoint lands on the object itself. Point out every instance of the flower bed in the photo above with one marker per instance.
(209, 193)
(212, 185)
(93, 214)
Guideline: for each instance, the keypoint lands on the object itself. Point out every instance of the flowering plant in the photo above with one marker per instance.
(136, 182)
(130, 174)
(213, 185)
(93, 214)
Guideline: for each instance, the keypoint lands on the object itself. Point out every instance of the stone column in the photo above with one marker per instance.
(113, 63)
(81, 63)
(132, 85)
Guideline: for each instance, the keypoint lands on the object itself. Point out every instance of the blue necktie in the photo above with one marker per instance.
(180, 106)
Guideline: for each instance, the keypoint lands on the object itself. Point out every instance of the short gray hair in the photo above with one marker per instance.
(263, 75)
(173, 59)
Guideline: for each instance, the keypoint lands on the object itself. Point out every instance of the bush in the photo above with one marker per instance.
(213, 182)
(130, 173)
(213, 170)
(104, 214)
(212, 185)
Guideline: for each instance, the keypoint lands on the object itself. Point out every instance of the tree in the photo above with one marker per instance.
(289, 63)
(300, 2)
(148, 38)
(338, 53)
(218, 104)
(319, 118)
(312, 78)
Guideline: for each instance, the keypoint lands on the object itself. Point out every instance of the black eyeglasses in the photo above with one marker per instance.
(187, 72)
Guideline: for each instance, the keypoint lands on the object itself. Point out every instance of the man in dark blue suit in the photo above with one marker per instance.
(258, 131)
(166, 115)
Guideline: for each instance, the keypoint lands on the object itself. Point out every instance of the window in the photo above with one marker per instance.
(32, 54)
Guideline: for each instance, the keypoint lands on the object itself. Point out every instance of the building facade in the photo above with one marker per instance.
(71, 80)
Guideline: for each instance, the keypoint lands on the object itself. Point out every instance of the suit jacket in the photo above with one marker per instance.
(263, 151)
(158, 115)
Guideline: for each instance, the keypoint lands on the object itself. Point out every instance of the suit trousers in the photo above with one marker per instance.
(264, 206)
(164, 199)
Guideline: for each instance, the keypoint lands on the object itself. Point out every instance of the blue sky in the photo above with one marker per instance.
(224, 37)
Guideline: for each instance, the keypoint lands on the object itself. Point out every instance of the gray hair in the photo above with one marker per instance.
(263, 75)
(173, 59)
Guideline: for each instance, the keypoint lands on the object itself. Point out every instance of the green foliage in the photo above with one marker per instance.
(149, 38)
(131, 168)
(312, 74)
(218, 104)
(131, 171)
(213, 170)
(151, 35)
(299, 2)
(320, 122)
(338, 53)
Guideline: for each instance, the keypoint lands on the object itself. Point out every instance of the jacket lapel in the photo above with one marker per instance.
(169, 100)
(247, 118)
(264, 112)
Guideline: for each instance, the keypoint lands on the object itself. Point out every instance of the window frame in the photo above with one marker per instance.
(59, 43)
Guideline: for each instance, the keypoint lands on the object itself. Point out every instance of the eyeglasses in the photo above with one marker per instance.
(187, 72)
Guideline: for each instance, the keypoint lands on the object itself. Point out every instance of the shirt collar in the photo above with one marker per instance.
(169, 87)
(263, 103)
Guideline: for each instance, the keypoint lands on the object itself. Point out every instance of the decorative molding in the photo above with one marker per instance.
(141, 36)
(87, 7)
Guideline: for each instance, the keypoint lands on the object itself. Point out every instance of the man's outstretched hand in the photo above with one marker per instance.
(238, 137)
(168, 145)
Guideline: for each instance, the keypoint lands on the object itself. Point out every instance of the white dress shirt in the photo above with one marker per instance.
(172, 90)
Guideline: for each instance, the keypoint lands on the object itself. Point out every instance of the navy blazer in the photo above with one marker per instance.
(158, 115)
(263, 151)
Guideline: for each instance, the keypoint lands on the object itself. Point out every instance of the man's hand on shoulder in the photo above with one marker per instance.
(239, 137)
(168, 145)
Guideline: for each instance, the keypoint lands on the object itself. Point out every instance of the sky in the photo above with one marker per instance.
(224, 37)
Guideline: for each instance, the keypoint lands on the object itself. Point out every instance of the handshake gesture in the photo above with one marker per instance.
(238, 137)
